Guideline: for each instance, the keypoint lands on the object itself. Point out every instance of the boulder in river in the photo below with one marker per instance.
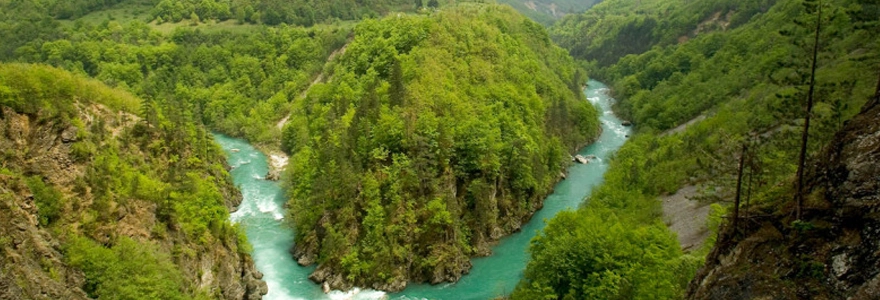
(581, 159)
(626, 123)
(273, 175)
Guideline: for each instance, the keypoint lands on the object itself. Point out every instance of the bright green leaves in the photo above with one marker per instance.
(593, 255)
(126, 270)
(432, 140)
(49, 201)
(439, 215)
(158, 177)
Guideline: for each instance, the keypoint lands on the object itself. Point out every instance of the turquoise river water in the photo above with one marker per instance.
(262, 212)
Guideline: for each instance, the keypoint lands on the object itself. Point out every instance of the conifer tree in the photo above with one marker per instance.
(808, 110)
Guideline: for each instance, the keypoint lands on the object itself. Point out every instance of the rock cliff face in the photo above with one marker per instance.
(832, 254)
(34, 265)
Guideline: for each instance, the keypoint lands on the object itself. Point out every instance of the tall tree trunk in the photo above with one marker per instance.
(739, 177)
(877, 92)
(806, 133)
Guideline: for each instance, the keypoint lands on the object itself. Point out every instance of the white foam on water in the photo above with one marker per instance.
(357, 294)
(242, 212)
(267, 206)
(278, 161)
(372, 294)
(276, 290)
(245, 209)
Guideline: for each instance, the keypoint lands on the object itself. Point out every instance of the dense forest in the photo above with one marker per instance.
(435, 136)
(274, 12)
(419, 134)
(234, 82)
(131, 199)
(740, 72)
(443, 137)
(609, 31)
(270, 12)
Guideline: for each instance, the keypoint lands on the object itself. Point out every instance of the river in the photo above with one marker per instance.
(261, 213)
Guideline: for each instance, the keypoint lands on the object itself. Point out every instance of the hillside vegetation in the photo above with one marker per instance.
(270, 12)
(547, 12)
(106, 196)
(238, 83)
(609, 31)
(748, 77)
(435, 136)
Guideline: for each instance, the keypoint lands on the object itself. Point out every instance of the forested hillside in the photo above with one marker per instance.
(830, 251)
(549, 11)
(274, 12)
(270, 12)
(238, 82)
(106, 196)
(740, 72)
(435, 136)
(609, 31)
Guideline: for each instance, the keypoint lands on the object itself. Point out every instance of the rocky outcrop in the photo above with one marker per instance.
(33, 265)
(831, 253)
(273, 175)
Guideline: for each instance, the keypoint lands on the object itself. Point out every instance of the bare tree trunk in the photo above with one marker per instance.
(739, 177)
(877, 92)
(806, 133)
(749, 188)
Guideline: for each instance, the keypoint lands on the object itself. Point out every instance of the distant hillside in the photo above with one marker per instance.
(547, 12)
(238, 82)
(105, 196)
(271, 12)
(613, 29)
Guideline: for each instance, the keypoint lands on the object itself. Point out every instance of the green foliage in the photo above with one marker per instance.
(126, 270)
(236, 83)
(580, 256)
(436, 135)
(163, 163)
(274, 12)
(30, 89)
(744, 79)
(623, 249)
(613, 29)
(751, 89)
(547, 12)
(713, 222)
(49, 201)
(802, 226)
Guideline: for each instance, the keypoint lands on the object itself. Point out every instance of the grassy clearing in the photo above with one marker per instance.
(122, 13)
(209, 26)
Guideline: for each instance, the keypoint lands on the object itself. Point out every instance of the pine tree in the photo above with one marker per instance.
(805, 134)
